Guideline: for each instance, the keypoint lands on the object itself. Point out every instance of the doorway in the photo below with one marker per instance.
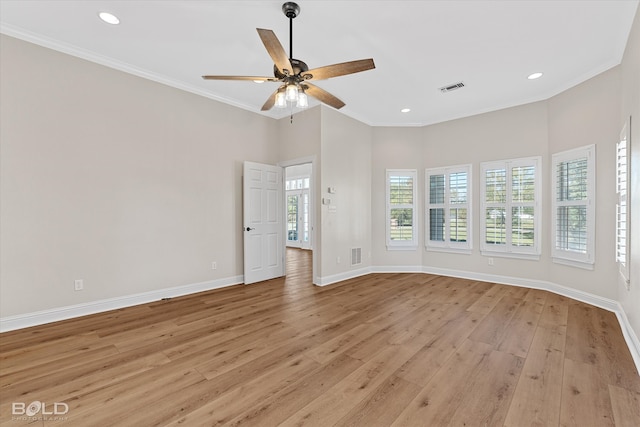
(298, 206)
(299, 228)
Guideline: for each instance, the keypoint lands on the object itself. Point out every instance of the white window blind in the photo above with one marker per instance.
(448, 209)
(401, 219)
(622, 208)
(573, 207)
(510, 208)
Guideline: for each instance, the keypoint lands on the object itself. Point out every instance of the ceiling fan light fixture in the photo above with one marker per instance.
(281, 100)
(303, 100)
(109, 18)
(291, 92)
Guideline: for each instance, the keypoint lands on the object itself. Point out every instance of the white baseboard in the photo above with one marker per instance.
(605, 303)
(11, 323)
(335, 278)
(397, 269)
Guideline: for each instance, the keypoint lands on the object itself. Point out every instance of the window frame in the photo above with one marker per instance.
(509, 250)
(623, 184)
(564, 256)
(447, 245)
(402, 245)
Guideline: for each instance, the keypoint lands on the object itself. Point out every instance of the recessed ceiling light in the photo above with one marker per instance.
(109, 18)
(534, 76)
(405, 110)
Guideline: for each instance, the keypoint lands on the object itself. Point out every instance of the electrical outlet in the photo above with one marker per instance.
(490, 261)
(214, 265)
(337, 260)
(78, 284)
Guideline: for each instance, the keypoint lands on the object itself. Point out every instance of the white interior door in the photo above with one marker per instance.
(263, 222)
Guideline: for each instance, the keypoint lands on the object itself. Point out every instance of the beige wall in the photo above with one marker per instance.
(630, 82)
(346, 166)
(589, 114)
(120, 181)
(505, 134)
(393, 148)
(299, 140)
(127, 184)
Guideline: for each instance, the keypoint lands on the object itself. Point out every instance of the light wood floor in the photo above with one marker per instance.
(381, 350)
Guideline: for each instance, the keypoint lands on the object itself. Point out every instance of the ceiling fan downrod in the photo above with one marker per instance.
(290, 10)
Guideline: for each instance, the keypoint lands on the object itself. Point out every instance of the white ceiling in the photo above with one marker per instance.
(417, 46)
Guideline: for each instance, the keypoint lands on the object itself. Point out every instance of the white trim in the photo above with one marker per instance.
(402, 248)
(20, 321)
(81, 53)
(531, 257)
(449, 250)
(447, 245)
(335, 278)
(508, 248)
(11, 323)
(576, 259)
(605, 303)
(397, 269)
(572, 263)
(406, 245)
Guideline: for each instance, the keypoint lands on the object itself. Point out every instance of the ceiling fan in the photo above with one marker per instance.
(295, 74)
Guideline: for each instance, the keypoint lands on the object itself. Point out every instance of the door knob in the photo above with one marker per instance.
(249, 228)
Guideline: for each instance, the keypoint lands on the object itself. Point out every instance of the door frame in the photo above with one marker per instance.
(313, 213)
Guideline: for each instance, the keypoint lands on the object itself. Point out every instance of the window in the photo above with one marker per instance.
(448, 209)
(510, 208)
(401, 194)
(573, 207)
(622, 207)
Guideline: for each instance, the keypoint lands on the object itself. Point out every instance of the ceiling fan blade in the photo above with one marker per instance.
(322, 96)
(341, 69)
(272, 99)
(254, 78)
(276, 51)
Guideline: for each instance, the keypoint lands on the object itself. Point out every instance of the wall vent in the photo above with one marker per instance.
(356, 256)
(451, 87)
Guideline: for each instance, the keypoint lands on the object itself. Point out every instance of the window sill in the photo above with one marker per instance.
(402, 248)
(529, 257)
(448, 250)
(574, 263)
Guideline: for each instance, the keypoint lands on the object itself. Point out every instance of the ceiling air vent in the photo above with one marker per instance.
(451, 87)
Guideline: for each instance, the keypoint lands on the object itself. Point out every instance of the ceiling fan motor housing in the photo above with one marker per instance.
(290, 9)
(298, 66)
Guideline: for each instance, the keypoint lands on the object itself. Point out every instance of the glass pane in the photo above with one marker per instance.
(436, 189)
(292, 218)
(571, 233)
(401, 225)
(436, 224)
(522, 229)
(496, 185)
(458, 225)
(621, 233)
(523, 183)
(458, 187)
(496, 233)
(401, 190)
(305, 217)
(305, 184)
(572, 180)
